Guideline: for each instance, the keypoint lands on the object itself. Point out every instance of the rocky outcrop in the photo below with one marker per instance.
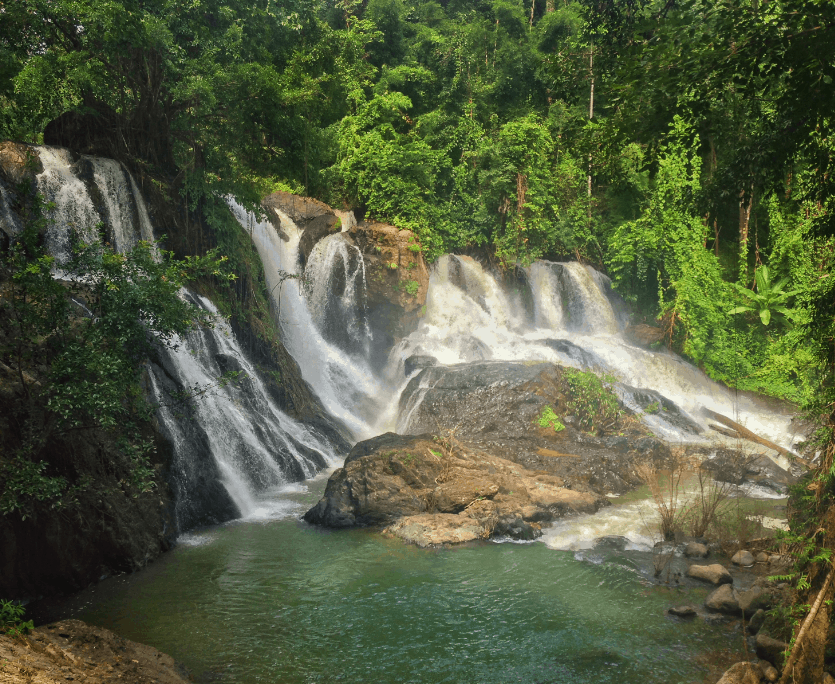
(737, 467)
(495, 405)
(71, 650)
(315, 219)
(397, 279)
(432, 492)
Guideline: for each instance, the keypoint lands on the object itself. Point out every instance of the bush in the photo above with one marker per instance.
(11, 619)
(592, 400)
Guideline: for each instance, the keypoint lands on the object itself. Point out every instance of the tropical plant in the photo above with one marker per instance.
(769, 299)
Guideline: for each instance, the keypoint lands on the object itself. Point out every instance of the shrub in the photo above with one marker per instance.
(592, 400)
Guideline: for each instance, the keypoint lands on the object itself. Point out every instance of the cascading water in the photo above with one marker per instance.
(233, 445)
(255, 447)
(576, 320)
(314, 327)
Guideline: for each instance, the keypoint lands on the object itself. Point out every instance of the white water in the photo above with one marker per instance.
(469, 317)
(343, 380)
(74, 208)
(256, 449)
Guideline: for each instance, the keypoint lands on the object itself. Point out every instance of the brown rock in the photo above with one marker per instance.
(72, 650)
(744, 558)
(741, 673)
(682, 611)
(643, 335)
(754, 599)
(408, 481)
(437, 529)
(762, 557)
(723, 600)
(715, 574)
(18, 162)
(396, 275)
(770, 649)
(770, 673)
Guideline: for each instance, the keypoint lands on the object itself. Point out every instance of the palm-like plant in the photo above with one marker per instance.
(769, 299)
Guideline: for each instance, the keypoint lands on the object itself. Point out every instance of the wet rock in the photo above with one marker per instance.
(744, 558)
(495, 405)
(770, 673)
(643, 335)
(770, 649)
(431, 492)
(438, 529)
(756, 621)
(723, 600)
(397, 280)
(762, 557)
(695, 550)
(715, 574)
(686, 611)
(418, 362)
(741, 673)
(737, 467)
(755, 599)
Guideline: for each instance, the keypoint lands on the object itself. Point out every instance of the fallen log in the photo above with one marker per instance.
(743, 432)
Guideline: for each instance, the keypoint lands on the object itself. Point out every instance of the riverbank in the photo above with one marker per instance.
(71, 650)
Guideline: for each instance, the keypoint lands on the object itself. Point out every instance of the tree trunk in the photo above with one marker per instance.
(591, 106)
(744, 220)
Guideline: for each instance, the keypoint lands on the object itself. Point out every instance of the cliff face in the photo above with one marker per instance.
(104, 525)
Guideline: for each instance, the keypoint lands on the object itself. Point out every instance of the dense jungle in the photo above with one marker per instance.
(683, 148)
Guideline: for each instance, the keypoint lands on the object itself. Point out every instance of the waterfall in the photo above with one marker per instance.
(342, 376)
(577, 321)
(232, 444)
(255, 448)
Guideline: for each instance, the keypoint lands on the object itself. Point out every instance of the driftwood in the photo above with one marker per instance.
(741, 432)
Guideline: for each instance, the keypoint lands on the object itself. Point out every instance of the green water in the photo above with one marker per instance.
(280, 601)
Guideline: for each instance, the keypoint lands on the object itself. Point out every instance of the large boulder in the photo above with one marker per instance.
(496, 405)
(770, 649)
(397, 280)
(738, 467)
(715, 574)
(741, 673)
(723, 600)
(315, 219)
(432, 492)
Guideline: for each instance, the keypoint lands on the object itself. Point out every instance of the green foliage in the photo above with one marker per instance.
(11, 619)
(92, 351)
(770, 298)
(652, 408)
(548, 419)
(591, 399)
(410, 287)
